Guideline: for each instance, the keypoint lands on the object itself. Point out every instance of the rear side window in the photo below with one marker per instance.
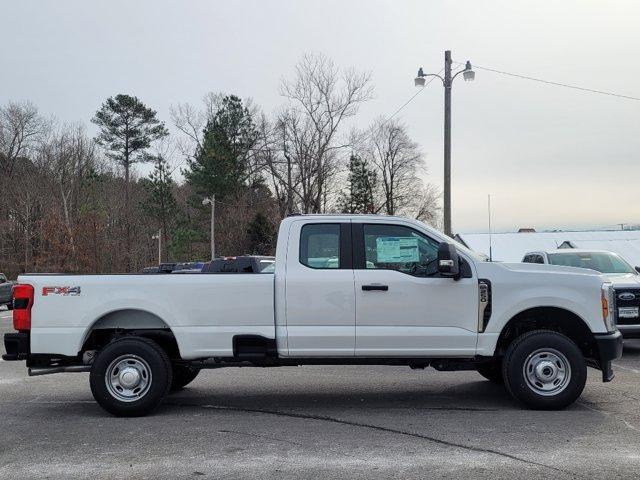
(320, 245)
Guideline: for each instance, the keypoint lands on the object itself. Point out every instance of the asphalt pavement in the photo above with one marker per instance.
(320, 423)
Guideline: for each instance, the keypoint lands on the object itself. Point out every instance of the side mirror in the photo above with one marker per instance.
(637, 269)
(448, 260)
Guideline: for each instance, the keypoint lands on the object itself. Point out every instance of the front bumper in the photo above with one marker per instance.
(609, 348)
(16, 346)
(629, 331)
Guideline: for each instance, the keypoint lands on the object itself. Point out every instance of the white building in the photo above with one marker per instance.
(511, 247)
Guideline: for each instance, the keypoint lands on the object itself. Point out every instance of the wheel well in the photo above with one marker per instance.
(548, 318)
(131, 322)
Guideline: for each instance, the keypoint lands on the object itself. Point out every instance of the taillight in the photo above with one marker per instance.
(22, 303)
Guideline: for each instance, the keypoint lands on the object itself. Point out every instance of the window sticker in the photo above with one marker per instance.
(397, 250)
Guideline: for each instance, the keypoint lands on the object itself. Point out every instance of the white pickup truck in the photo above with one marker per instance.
(347, 289)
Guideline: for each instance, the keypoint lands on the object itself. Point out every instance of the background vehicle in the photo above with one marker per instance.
(188, 267)
(241, 264)
(625, 279)
(395, 292)
(5, 291)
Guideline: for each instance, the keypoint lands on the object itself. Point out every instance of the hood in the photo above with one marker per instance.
(623, 280)
(547, 268)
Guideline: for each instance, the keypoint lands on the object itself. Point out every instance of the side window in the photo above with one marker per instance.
(527, 259)
(395, 247)
(320, 245)
(539, 259)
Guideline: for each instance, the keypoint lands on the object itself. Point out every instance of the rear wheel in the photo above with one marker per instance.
(544, 370)
(130, 376)
(182, 376)
(492, 372)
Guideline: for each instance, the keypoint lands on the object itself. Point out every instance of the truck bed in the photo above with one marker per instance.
(203, 311)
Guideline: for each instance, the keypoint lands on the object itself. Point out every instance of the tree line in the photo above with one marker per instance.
(71, 202)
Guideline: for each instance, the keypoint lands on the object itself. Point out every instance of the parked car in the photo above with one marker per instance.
(241, 264)
(188, 267)
(166, 267)
(5, 292)
(625, 279)
(396, 292)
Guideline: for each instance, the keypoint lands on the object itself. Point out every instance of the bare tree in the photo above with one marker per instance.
(20, 126)
(68, 154)
(320, 99)
(399, 165)
(398, 159)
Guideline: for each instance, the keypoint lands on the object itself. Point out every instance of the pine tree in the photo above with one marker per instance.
(127, 127)
(220, 166)
(359, 198)
(160, 203)
(261, 234)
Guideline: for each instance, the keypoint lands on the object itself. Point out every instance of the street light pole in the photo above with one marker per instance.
(447, 82)
(212, 201)
(447, 143)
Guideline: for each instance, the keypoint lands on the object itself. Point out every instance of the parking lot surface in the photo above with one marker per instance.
(320, 422)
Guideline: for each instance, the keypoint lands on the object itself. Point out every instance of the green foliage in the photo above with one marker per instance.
(159, 202)
(127, 128)
(220, 164)
(182, 242)
(359, 198)
(261, 234)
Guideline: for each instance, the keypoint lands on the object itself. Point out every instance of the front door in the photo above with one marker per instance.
(320, 300)
(404, 308)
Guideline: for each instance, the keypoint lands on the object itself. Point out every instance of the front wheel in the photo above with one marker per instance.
(544, 370)
(130, 376)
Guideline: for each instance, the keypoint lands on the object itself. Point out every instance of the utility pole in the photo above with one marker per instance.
(158, 236)
(212, 201)
(447, 143)
(447, 81)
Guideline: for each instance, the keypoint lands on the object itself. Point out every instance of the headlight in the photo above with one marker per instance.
(608, 306)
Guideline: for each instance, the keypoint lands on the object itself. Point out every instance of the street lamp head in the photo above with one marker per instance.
(468, 74)
(206, 201)
(419, 80)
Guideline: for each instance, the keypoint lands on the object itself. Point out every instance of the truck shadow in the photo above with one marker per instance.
(472, 396)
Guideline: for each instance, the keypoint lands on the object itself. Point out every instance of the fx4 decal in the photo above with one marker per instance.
(65, 291)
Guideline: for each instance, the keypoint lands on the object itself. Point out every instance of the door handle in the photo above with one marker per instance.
(368, 288)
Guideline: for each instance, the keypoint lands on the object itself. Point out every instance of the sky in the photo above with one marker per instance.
(549, 157)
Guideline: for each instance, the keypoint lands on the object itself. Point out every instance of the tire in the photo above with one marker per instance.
(492, 372)
(182, 376)
(141, 388)
(544, 370)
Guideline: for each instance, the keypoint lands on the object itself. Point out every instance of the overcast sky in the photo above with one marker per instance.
(549, 156)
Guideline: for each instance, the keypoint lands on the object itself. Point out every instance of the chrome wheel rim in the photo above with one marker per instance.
(547, 371)
(128, 378)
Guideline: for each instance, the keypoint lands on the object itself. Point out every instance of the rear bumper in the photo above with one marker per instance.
(609, 348)
(16, 346)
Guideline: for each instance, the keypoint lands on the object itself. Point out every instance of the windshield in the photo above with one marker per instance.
(603, 262)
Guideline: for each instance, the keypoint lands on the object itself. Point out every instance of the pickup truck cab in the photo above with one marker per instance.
(347, 289)
(624, 277)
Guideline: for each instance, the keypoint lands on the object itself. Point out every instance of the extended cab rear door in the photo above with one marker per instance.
(404, 307)
(320, 300)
